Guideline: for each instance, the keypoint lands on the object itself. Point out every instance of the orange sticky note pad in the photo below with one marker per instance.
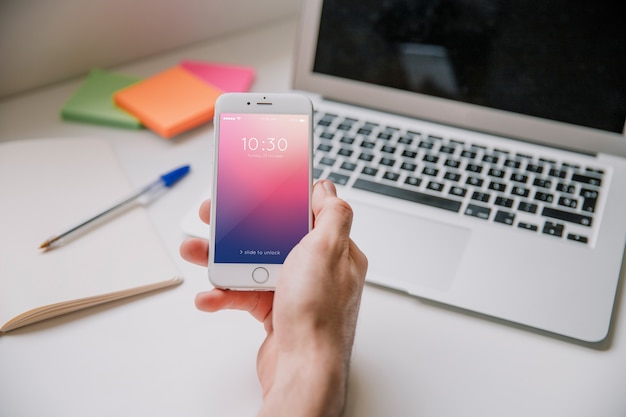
(171, 102)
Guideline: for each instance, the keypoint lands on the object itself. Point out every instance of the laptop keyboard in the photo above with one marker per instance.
(508, 187)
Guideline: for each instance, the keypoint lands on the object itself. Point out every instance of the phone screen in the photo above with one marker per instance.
(262, 194)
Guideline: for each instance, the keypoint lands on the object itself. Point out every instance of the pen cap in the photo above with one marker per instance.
(172, 177)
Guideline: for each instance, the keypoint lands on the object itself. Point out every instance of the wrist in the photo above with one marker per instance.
(309, 383)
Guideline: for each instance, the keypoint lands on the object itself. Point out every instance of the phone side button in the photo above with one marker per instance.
(260, 275)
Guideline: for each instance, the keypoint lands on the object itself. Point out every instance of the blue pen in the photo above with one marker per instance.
(164, 181)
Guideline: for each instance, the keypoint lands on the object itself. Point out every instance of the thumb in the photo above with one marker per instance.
(329, 211)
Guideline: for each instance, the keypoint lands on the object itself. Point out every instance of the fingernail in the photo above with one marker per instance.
(328, 186)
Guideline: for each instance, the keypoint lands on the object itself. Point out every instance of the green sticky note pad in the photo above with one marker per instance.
(93, 101)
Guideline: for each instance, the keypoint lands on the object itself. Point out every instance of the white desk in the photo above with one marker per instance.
(158, 356)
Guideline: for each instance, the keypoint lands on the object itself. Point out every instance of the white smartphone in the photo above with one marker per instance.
(261, 204)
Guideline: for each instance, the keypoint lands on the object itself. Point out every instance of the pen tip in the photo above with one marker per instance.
(44, 245)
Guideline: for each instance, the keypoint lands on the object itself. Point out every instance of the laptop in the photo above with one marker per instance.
(482, 148)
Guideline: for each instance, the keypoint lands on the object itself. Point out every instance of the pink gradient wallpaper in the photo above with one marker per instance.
(262, 208)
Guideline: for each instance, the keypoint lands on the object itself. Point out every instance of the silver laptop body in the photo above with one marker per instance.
(496, 211)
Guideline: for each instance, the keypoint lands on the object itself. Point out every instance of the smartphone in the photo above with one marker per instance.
(261, 203)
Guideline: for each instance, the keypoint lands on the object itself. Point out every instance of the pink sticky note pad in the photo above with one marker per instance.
(228, 78)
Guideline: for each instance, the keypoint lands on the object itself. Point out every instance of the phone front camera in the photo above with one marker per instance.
(248, 103)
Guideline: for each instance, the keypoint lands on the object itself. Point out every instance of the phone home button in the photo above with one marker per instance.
(260, 275)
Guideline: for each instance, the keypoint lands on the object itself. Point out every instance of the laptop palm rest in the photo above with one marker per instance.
(408, 252)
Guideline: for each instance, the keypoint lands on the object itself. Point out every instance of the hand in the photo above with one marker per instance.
(310, 319)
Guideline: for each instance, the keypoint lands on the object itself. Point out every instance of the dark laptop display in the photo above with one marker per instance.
(568, 67)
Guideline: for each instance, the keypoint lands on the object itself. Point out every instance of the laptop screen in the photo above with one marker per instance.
(561, 60)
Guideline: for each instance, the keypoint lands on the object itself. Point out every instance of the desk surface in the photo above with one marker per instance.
(157, 355)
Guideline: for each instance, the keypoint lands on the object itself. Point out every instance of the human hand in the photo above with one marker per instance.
(310, 319)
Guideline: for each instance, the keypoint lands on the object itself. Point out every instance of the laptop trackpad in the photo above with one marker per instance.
(409, 251)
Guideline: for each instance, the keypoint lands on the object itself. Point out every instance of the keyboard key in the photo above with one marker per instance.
(431, 158)
(490, 159)
(565, 188)
(387, 162)
(407, 166)
(567, 216)
(543, 183)
(570, 165)
(474, 168)
(425, 145)
(480, 196)
(348, 166)
(587, 193)
(468, 154)
(348, 140)
(367, 144)
(409, 154)
(345, 152)
(473, 181)
(366, 157)
(324, 147)
(585, 179)
(511, 163)
(369, 171)
(527, 226)
(391, 176)
(477, 211)
(590, 198)
(527, 207)
(595, 171)
(435, 186)
(409, 195)
(338, 179)
(521, 178)
(388, 149)
(570, 203)
(452, 163)
(327, 135)
(496, 172)
(504, 202)
(327, 161)
(544, 197)
(537, 169)
(558, 173)
(497, 186)
(553, 229)
(504, 217)
(458, 191)
(452, 176)
(577, 238)
(520, 191)
(547, 161)
(430, 171)
(447, 150)
(317, 173)
(413, 181)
